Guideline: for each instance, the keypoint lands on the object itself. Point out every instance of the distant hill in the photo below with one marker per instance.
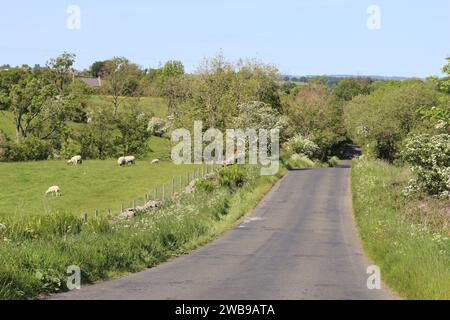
(342, 76)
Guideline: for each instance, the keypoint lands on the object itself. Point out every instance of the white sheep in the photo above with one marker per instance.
(126, 160)
(75, 160)
(54, 190)
(130, 160)
(121, 161)
(155, 161)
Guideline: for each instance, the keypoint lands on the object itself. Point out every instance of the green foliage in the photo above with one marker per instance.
(232, 177)
(214, 93)
(132, 126)
(259, 115)
(205, 185)
(313, 113)
(333, 161)
(438, 116)
(429, 157)
(299, 161)
(97, 69)
(349, 88)
(445, 83)
(76, 101)
(70, 148)
(384, 118)
(60, 74)
(303, 147)
(31, 148)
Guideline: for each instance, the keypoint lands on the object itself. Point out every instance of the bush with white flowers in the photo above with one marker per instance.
(429, 157)
(157, 126)
(303, 147)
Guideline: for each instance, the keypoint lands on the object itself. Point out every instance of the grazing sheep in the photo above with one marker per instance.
(130, 160)
(75, 160)
(54, 190)
(155, 161)
(121, 161)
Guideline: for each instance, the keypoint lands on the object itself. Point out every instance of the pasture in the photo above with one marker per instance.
(156, 105)
(93, 185)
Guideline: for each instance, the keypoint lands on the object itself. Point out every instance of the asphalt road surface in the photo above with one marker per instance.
(300, 242)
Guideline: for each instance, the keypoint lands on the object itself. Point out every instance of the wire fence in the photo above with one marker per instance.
(167, 191)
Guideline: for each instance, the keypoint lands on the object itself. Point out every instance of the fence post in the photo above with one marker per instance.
(121, 207)
(85, 217)
(155, 191)
(181, 184)
(96, 213)
(134, 204)
(163, 192)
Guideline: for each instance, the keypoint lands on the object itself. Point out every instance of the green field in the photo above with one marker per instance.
(93, 185)
(156, 105)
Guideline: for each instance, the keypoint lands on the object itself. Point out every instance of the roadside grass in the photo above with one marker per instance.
(35, 264)
(407, 238)
(96, 184)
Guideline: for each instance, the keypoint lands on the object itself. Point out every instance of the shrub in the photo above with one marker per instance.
(70, 148)
(333, 161)
(232, 177)
(157, 127)
(30, 148)
(429, 157)
(303, 147)
(205, 185)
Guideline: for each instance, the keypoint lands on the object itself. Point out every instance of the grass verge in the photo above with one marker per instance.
(407, 238)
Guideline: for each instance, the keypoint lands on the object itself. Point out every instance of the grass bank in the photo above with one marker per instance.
(34, 255)
(407, 238)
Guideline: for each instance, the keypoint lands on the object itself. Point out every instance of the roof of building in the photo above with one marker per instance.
(93, 82)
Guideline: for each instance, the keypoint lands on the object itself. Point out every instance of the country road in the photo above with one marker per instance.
(300, 242)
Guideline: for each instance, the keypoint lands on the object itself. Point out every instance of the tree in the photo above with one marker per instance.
(121, 79)
(218, 87)
(445, 84)
(381, 121)
(171, 69)
(313, 114)
(61, 71)
(8, 78)
(97, 137)
(132, 125)
(97, 69)
(351, 87)
(36, 109)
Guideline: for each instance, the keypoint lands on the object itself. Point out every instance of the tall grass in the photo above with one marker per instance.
(414, 256)
(35, 253)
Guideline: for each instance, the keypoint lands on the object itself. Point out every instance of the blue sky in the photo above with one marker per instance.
(300, 37)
